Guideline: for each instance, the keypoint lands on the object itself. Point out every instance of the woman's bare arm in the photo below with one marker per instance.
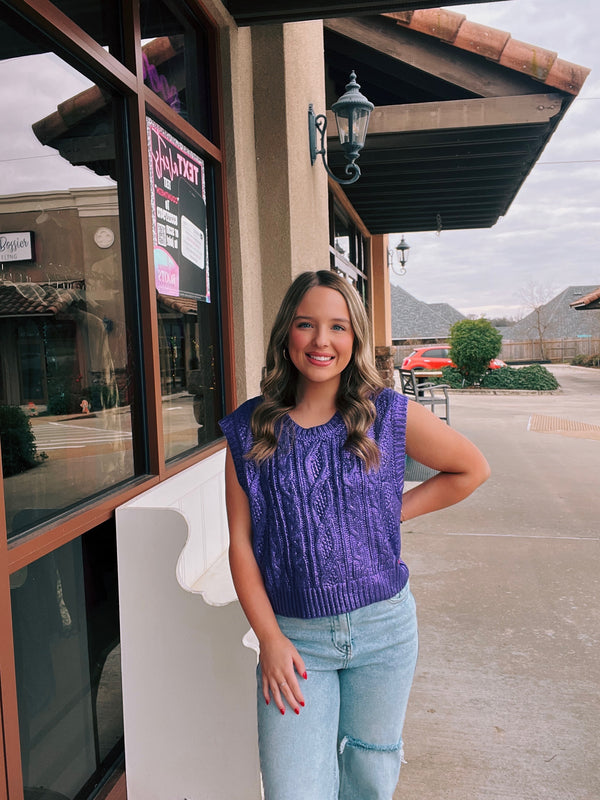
(461, 466)
(279, 659)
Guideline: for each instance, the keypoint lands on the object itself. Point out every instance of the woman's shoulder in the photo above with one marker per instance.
(242, 414)
(388, 400)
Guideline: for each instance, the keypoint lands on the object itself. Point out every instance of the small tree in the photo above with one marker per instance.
(473, 343)
(536, 297)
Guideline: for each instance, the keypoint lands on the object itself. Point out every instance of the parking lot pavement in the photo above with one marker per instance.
(505, 704)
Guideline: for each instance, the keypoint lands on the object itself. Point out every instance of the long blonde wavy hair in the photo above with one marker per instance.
(359, 382)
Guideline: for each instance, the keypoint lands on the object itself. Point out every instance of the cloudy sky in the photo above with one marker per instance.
(550, 236)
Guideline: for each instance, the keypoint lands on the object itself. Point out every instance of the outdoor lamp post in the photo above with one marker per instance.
(402, 249)
(352, 112)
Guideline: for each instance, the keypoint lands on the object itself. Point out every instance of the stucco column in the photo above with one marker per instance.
(381, 305)
(288, 74)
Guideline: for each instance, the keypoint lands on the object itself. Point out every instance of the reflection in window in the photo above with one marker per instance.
(67, 657)
(348, 251)
(175, 61)
(65, 376)
(99, 18)
(188, 374)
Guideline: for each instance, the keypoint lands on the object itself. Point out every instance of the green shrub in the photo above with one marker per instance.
(533, 378)
(473, 343)
(586, 361)
(19, 451)
(452, 377)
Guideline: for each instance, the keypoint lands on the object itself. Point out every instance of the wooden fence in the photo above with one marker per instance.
(555, 350)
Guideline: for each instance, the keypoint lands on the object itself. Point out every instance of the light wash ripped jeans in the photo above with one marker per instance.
(346, 744)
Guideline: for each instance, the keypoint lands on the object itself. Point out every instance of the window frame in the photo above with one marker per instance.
(125, 78)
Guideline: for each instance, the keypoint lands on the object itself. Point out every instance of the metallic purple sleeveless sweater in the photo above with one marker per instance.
(326, 533)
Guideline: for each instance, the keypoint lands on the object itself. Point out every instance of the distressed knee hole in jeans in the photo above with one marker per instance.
(349, 741)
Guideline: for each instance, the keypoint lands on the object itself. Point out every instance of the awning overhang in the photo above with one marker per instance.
(462, 114)
(446, 165)
(589, 302)
(262, 12)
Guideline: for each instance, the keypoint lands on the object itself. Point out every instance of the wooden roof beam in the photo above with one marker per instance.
(458, 67)
(455, 114)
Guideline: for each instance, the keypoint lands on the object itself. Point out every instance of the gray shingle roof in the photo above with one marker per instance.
(447, 311)
(413, 319)
(558, 319)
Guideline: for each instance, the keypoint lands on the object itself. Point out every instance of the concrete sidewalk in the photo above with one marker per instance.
(505, 704)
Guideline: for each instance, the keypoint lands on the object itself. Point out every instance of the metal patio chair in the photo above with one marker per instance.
(425, 392)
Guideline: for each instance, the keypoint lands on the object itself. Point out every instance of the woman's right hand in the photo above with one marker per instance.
(280, 665)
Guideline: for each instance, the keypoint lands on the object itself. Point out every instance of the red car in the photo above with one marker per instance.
(436, 357)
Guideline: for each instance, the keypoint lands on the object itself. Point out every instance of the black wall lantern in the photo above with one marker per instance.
(352, 112)
(402, 252)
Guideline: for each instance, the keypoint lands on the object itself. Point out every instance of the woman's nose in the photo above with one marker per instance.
(321, 336)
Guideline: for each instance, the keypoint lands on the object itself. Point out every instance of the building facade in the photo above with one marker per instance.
(156, 200)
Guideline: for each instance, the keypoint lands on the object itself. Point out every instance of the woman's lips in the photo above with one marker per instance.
(319, 359)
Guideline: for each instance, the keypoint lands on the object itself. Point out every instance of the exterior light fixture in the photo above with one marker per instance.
(402, 252)
(352, 112)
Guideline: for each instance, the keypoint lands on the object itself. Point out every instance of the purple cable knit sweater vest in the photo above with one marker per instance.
(325, 532)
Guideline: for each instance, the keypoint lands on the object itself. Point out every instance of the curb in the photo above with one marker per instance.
(506, 391)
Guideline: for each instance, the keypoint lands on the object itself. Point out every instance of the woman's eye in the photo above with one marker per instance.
(304, 325)
(339, 328)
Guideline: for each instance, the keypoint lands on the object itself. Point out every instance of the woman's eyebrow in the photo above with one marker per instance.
(333, 319)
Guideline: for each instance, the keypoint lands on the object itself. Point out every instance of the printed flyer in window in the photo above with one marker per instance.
(179, 227)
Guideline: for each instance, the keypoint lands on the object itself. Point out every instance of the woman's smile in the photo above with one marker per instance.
(320, 359)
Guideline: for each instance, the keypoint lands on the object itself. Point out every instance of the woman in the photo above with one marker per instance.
(314, 485)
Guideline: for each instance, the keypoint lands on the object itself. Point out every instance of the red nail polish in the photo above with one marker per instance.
(267, 701)
(302, 703)
(305, 676)
(296, 711)
(282, 711)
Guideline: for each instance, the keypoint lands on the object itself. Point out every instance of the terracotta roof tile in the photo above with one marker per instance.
(34, 299)
(183, 305)
(567, 76)
(541, 64)
(523, 57)
(587, 299)
(481, 39)
(437, 22)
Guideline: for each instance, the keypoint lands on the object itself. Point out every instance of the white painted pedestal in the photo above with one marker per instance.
(188, 683)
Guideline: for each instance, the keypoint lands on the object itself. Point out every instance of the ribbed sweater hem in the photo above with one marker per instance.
(326, 601)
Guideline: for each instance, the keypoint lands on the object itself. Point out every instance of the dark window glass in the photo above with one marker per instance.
(66, 385)
(187, 291)
(67, 657)
(101, 19)
(176, 63)
(348, 252)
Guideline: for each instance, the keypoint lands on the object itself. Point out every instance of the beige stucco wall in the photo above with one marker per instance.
(292, 194)
(278, 206)
(242, 193)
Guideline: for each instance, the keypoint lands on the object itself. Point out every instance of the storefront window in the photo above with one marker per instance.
(348, 251)
(175, 59)
(67, 658)
(184, 268)
(101, 19)
(66, 388)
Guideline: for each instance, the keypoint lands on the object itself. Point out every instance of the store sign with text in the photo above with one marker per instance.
(179, 227)
(16, 246)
